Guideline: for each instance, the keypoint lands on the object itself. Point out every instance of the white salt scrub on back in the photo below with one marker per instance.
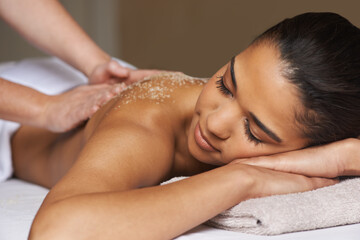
(158, 87)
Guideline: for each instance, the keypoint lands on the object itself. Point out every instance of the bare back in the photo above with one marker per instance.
(165, 100)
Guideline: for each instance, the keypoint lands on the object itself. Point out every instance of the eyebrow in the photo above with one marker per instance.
(233, 79)
(265, 129)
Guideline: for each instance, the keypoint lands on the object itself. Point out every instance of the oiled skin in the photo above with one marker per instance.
(43, 157)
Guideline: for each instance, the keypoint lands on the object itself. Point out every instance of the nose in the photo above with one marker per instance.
(221, 121)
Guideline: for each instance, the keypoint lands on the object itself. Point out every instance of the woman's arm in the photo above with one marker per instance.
(340, 158)
(161, 212)
(108, 194)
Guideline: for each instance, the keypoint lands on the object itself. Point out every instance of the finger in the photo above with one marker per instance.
(308, 162)
(267, 162)
(114, 89)
(89, 112)
(146, 73)
(114, 80)
(279, 163)
(103, 97)
(117, 70)
(92, 105)
(299, 161)
(323, 182)
(118, 88)
(93, 110)
(138, 75)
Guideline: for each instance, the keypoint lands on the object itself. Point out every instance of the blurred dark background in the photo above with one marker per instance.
(193, 36)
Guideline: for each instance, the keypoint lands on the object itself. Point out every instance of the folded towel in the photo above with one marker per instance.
(331, 206)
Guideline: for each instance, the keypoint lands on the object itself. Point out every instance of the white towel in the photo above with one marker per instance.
(331, 206)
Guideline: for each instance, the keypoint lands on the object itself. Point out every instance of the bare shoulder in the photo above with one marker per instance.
(160, 100)
(165, 86)
(165, 90)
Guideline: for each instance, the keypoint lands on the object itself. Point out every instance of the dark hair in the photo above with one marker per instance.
(321, 52)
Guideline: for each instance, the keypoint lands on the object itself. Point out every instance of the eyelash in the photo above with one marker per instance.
(249, 134)
(221, 86)
(224, 90)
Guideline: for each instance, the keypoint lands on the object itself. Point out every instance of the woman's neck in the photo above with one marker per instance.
(184, 163)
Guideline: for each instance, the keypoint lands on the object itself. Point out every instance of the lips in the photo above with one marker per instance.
(201, 140)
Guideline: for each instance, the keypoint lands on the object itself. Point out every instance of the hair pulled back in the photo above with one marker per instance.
(321, 56)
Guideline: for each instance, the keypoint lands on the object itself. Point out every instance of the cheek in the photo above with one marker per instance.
(203, 98)
(239, 148)
(209, 95)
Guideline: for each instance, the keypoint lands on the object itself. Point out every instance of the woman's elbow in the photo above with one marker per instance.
(54, 223)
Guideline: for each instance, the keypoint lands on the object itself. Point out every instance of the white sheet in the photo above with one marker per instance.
(19, 202)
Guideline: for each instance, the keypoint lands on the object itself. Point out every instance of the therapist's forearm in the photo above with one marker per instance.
(48, 26)
(21, 104)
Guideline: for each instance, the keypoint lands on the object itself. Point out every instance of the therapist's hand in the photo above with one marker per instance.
(340, 158)
(112, 72)
(67, 110)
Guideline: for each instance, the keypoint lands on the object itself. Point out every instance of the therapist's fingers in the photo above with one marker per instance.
(117, 70)
(112, 72)
(108, 72)
(92, 100)
(140, 74)
(66, 111)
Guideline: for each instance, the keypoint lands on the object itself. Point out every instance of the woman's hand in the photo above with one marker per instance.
(112, 72)
(340, 158)
(266, 182)
(65, 111)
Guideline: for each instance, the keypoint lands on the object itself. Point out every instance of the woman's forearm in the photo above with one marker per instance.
(341, 158)
(351, 154)
(48, 26)
(160, 212)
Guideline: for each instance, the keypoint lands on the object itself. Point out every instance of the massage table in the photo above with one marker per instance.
(19, 202)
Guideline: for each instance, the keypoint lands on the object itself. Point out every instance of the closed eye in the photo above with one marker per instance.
(251, 137)
(221, 86)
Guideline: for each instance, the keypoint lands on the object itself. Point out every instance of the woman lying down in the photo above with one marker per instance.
(296, 86)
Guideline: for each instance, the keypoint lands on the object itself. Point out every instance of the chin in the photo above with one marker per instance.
(196, 152)
(201, 156)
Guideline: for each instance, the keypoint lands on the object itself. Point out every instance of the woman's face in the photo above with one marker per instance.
(246, 110)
